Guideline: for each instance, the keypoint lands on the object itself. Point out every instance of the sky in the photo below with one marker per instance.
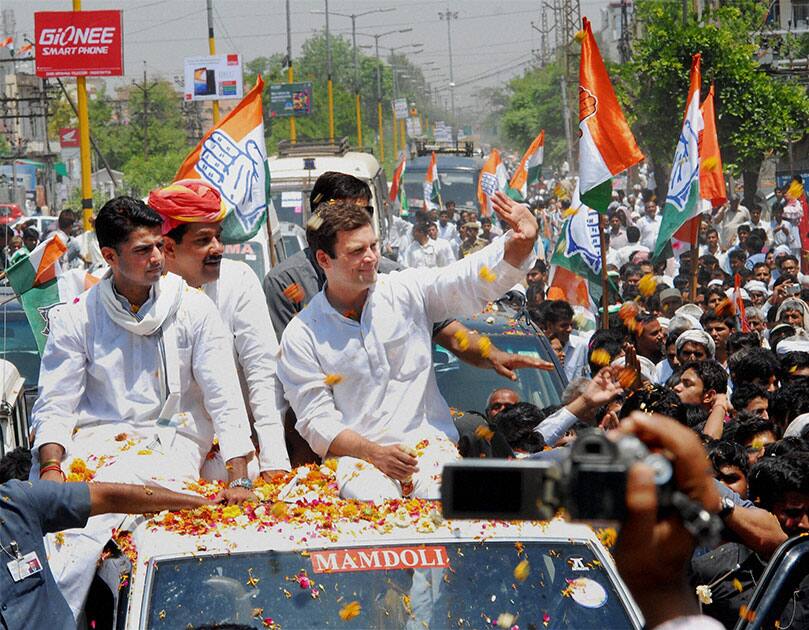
(491, 40)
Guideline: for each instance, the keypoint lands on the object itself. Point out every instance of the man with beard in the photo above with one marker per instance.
(192, 225)
(356, 365)
(139, 361)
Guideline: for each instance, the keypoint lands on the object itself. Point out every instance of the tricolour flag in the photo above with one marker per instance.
(432, 186)
(397, 190)
(579, 246)
(493, 177)
(24, 49)
(232, 157)
(683, 198)
(528, 170)
(8, 41)
(607, 145)
(712, 189)
(33, 277)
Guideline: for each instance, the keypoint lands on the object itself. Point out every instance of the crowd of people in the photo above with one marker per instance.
(201, 373)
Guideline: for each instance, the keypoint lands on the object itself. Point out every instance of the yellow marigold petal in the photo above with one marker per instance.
(485, 345)
(350, 610)
(522, 570)
(463, 340)
(600, 357)
(710, 163)
(484, 433)
(486, 274)
(737, 584)
(332, 379)
(647, 285)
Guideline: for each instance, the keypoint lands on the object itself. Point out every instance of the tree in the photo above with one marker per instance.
(755, 111)
(535, 103)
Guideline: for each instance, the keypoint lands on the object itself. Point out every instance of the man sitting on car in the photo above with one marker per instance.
(356, 364)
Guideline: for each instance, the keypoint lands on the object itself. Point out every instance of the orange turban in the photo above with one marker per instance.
(187, 201)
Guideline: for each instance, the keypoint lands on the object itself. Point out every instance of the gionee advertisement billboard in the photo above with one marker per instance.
(79, 43)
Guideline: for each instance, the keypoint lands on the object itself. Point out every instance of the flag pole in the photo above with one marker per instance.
(694, 259)
(605, 283)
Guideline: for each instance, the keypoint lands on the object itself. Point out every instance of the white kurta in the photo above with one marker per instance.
(95, 372)
(240, 300)
(388, 392)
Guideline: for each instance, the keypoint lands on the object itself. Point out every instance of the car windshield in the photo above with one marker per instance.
(453, 585)
(18, 345)
(290, 202)
(250, 252)
(458, 186)
(467, 388)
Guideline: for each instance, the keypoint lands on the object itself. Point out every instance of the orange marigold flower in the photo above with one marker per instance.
(295, 293)
(332, 379)
(350, 610)
(629, 310)
(484, 433)
(627, 377)
(647, 285)
(600, 357)
(522, 570)
(725, 308)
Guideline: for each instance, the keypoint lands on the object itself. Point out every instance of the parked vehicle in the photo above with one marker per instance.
(9, 213)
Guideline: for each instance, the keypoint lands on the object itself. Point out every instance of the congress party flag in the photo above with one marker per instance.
(432, 186)
(493, 177)
(579, 246)
(397, 191)
(528, 170)
(33, 277)
(232, 157)
(712, 189)
(683, 198)
(606, 146)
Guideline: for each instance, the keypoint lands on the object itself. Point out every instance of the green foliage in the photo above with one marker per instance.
(535, 102)
(142, 175)
(754, 110)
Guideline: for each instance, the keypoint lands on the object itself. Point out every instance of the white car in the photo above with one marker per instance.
(311, 560)
(43, 224)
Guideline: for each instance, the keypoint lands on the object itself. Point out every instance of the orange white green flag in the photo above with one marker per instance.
(397, 190)
(33, 277)
(529, 169)
(232, 157)
(606, 146)
(493, 177)
(683, 200)
(432, 186)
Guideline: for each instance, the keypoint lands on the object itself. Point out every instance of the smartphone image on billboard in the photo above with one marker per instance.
(204, 82)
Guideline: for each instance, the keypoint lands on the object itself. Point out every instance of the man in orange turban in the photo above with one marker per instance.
(192, 214)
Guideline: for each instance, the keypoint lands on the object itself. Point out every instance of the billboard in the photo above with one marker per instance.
(213, 78)
(400, 108)
(79, 43)
(290, 99)
(69, 137)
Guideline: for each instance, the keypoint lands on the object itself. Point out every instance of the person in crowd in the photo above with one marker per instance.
(557, 319)
(447, 230)
(421, 252)
(192, 213)
(356, 358)
(649, 225)
(472, 242)
(751, 398)
(444, 253)
(719, 328)
(499, 399)
(138, 346)
(730, 466)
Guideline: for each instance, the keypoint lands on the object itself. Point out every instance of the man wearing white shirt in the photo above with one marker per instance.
(649, 225)
(421, 252)
(446, 228)
(356, 365)
(444, 254)
(136, 347)
(192, 223)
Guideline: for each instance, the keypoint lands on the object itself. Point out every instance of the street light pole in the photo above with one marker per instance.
(212, 51)
(329, 86)
(293, 136)
(449, 16)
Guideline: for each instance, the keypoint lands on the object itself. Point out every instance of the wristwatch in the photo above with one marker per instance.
(727, 506)
(242, 482)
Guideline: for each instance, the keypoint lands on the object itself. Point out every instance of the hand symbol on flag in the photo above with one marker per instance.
(237, 172)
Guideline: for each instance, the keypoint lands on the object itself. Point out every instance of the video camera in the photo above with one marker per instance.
(590, 483)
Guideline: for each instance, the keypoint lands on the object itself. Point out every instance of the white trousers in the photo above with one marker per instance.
(74, 553)
(358, 479)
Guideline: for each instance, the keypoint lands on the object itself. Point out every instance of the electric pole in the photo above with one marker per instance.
(145, 89)
(624, 44)
(212, 51)
(449, 16)
(293, 137)
(568, 23)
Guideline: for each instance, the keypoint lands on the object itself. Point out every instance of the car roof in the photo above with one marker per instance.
(445, 162)
(362, 165)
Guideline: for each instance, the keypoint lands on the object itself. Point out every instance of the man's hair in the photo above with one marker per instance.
(30, 232)
(746, 426)
(632, 234)
(754, 243)
(66, 219)
(554, 311)
(711, 230)
(737, 253)
(517, 424)
(15, 464)
(750, 364)
(711, 373)
(709, 259)
(792, 361)
(740, 340)
(121, 216)
(610, 340)
(711, 316)
(337, 216)
(653, 399)
(786, 446)
(772, 477)
(743, 393)
(630, 270)
(783, 259)
(760, 264)
(334, 186)
(727, 453)
(789, 401)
